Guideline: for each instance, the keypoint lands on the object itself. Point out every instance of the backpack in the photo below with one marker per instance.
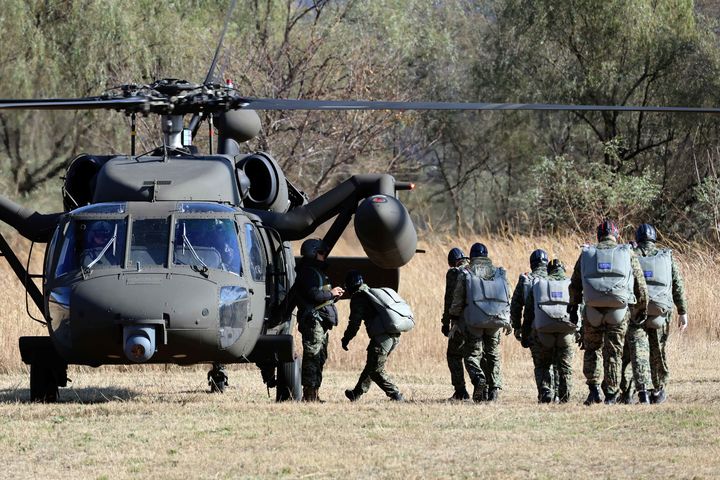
(607, 280)
(394, 313)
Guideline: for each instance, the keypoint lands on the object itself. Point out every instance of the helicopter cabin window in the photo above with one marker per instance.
(92, 244)
(255, 252)
(149, 243)
(203, 243)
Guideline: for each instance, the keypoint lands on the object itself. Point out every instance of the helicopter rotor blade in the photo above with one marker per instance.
(88, 103)
(197, 118)
(287, 104)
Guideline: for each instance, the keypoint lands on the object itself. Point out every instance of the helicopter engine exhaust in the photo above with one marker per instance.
(139, 342)
(268, 186)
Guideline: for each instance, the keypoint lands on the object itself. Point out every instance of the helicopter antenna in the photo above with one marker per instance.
(198, 117)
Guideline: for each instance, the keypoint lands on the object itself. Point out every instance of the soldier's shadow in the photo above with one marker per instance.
(73, 395)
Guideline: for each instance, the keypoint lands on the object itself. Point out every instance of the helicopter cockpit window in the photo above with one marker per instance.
(92, 244)
(255, 252)
(102, 208)
(149, 243)
(204, 243)
(202, 207)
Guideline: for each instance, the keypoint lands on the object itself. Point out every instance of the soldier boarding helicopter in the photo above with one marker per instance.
(173, 256)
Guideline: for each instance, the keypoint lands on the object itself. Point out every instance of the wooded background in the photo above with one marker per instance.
(521, 172)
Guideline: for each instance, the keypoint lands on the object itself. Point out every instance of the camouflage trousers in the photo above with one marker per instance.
(378, 352)
(315, 344)
(636, 354)
(536, 353)
(463, 350)
(602, 359)
(487, 341)
(556, 349)
(657, 338)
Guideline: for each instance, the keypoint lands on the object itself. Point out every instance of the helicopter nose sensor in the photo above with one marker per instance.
(139, 343)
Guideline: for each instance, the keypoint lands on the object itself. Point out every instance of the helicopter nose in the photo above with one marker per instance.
(139, 343)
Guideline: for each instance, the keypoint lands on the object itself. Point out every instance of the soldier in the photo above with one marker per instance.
(100, 245)
(538, 267)
(546, 313)
(480, 308)
(607, 276)
(373, 307)
(316, 313)
(457, 261)
(665, 288)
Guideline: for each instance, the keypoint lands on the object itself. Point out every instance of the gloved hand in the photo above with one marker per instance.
(641, 317)
(525, 342)
(573, 312)
(344, 342)
(518, 334)
(682, 322)
(580, 340)
(445, 329)
(507, 329)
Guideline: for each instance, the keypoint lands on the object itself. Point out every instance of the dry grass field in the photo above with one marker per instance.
(160, 422)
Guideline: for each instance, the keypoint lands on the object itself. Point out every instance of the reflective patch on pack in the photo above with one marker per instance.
(648, 273)
(604, 266)
(556, 294)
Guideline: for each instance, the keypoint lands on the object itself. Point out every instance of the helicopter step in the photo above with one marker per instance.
(48, 371)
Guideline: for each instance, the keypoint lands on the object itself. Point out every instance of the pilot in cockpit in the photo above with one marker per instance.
(100, 245)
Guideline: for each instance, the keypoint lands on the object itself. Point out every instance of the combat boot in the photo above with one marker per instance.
(397, 397)
(352, 395)
(611, 399)
(658, 396)
(593, 395)
(628, 398)
(546, 396)
(310, 394)
(493, 395)
(479, 392)
(460, 394)
(643, 396)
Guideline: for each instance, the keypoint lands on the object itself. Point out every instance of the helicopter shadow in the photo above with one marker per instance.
(73, 395)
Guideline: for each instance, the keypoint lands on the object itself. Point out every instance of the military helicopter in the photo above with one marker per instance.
(176, 257)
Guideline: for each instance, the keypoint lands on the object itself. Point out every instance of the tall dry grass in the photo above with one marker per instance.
(422, 284)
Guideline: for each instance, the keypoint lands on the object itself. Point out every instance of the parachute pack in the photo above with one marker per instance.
(607, 283)
(552, 298)
(657, 270)
(394, 313)
(488, 301)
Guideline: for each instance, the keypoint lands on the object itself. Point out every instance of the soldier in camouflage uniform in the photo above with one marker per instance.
(476, 342)
(663, 292)
(605, 341)
(457, 261)
(381, 344)
(554, 335)
(538, 267)
(316, 313)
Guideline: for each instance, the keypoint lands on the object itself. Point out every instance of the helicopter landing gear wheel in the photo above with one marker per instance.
(43, 385)
(217, 378)
(289, 381)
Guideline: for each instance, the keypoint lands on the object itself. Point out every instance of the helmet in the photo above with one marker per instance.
(101, 226)
(312, 246)
(646, 233)
(607, 228)
(537, 258)
(454, 256)
(353, 280)
(478, 250)
(555, 265)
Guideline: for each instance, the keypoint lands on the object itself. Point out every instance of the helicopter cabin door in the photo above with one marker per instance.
(256, 271)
